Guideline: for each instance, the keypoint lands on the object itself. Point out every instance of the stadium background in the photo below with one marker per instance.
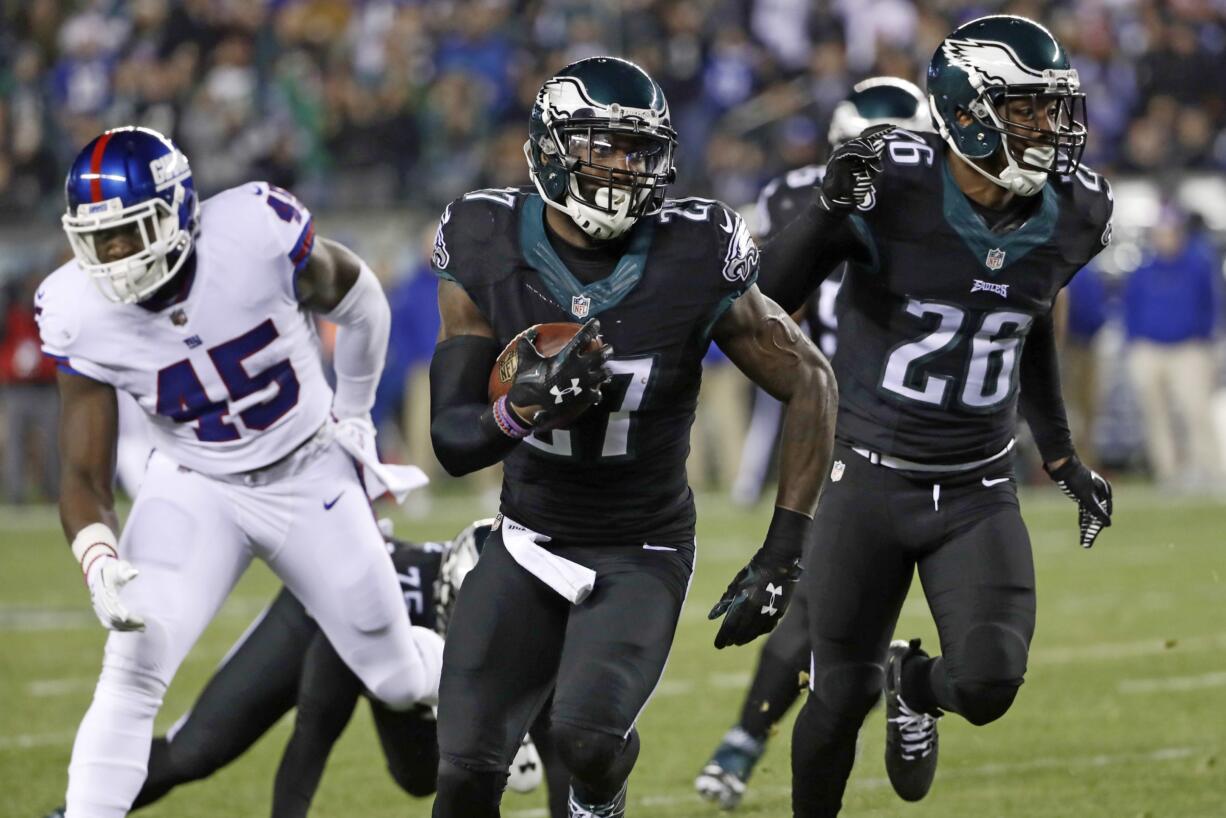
(377, 113)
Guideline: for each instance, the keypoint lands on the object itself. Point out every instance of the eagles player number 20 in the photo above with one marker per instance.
(990, 374)
(631, 378)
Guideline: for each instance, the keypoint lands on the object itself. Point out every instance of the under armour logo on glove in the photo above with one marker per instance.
(754, 601)
(774, 590)
(559, 394)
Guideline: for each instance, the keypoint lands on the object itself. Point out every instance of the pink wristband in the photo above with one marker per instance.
(504, 416)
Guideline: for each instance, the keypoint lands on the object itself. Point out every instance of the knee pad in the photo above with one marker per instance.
(992, 667)
(133, 683)
(847, 692)
(465, 793)
(588, 754)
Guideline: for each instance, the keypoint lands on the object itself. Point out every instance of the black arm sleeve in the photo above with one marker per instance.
(462, 427)
(328, 692)
(1042, 402)
(797, 259)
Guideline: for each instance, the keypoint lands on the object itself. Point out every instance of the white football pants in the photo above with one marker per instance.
(192, 537)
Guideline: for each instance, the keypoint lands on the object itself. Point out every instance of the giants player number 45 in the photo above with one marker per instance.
(201, 313)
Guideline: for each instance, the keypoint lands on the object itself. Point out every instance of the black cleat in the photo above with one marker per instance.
(910, 737)
(58, 812)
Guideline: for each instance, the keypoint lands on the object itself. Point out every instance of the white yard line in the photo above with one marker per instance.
(1177, 684)
(24, 741)
(45, 688)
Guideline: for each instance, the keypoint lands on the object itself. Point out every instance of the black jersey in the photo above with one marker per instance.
(931, 327)
(417, 566)
(781, 200)
(616, 475)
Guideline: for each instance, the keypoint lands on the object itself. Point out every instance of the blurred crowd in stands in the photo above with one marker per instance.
(378, 101)
(361, 105)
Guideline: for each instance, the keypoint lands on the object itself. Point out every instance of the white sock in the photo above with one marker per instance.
(111, 752)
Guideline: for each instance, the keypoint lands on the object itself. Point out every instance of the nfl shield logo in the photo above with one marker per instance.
(579, 305)
(995, 259)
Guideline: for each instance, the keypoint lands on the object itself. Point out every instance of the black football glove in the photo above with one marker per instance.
(760, 593)
(561, 384)
(852, 169)
(1090, 491)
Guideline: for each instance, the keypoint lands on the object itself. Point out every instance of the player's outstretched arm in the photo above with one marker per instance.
(463, 429)
(1042, 404)
(765, 344)
(800, 256)
(89, 426)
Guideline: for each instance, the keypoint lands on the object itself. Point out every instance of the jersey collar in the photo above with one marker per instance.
(581, 300)
(996, 251)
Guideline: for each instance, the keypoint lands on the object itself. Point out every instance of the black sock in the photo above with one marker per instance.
(161, 778)
(924, 687)
(822, 757)
(775, 686)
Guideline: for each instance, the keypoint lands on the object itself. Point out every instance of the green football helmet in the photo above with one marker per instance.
(600, 145)
(980, 69)
(879, 101)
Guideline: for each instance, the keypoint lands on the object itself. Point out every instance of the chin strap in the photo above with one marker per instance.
(1014, 177)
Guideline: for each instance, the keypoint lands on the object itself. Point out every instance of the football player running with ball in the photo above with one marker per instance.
(201, 313)
(582, 579)
(776, 682)
(958, 242)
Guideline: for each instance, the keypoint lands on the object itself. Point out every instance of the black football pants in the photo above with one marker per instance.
(874, 527)
(513, 641)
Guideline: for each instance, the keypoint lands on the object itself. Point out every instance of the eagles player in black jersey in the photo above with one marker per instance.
(957, 244)
(284, 661)
(582, 580)
(785, 655)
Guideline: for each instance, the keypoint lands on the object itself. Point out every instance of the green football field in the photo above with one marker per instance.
(1123, 714)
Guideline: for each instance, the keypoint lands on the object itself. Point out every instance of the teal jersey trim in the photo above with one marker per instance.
(568, 291)
(997, 251)
(443, 274)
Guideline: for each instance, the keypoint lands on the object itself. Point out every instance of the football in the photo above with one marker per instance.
(550, 338)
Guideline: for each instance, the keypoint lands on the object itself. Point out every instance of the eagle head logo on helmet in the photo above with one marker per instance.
(982, 67)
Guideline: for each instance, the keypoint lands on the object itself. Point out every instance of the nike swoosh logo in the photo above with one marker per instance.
(328, 506)
(989, 483)
(727, 226)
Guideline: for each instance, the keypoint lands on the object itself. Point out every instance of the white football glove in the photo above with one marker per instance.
(105, 575)
(356, 435)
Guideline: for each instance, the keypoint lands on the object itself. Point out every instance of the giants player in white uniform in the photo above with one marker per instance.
(198, 312)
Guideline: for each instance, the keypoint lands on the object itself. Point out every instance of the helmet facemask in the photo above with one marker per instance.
(616, 172)
(1057, 148)
(165, 245)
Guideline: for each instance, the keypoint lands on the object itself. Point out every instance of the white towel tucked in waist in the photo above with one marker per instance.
(570, 579)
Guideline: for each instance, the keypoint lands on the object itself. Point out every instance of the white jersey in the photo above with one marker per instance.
(231, 376)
